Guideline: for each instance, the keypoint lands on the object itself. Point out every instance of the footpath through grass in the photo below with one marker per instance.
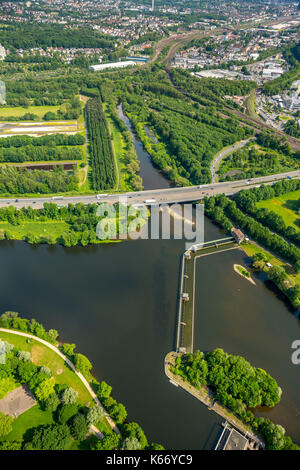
(44, 356)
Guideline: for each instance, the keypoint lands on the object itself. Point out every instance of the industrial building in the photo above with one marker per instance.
(138, 59)
(232, 439)
(111, 65)
(218, 73)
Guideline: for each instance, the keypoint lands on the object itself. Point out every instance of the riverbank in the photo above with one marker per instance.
(65, 371)
(48, 232)
(292, 279)
(152, 178)
(244, 273)
(204, 395)
(71, 225)
(63, 375)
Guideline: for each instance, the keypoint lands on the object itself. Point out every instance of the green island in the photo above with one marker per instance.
(231, 387)
(243, 272)
(49, 399)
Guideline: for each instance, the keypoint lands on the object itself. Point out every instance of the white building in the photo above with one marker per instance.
(112, 65)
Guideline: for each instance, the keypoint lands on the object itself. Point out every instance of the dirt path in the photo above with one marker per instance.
(85, 169)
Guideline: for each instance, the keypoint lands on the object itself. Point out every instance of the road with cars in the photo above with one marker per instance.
(155, 196)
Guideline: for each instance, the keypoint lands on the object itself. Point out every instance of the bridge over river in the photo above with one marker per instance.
(154, 196)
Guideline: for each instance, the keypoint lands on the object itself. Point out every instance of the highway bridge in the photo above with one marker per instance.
(155, 196)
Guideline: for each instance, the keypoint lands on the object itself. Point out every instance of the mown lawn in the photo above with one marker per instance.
(251, 249)
(43, 356)
(20, 110)
(27, 421)
(24, 425)
(286, 206)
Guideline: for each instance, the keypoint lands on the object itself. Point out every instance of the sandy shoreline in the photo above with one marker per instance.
(235, 267)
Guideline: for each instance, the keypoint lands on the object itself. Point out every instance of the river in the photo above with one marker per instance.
(152, 177)
(118, 304)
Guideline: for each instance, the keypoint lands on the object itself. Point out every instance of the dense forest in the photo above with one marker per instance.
(51, 140)
(188, 134)
(291, 128)
(31, 153)
(23, 181)
(27, 36)
(49, 91)
(239, 386)
(103, 167)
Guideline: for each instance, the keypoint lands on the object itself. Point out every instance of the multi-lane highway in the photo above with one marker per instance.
(156, 196)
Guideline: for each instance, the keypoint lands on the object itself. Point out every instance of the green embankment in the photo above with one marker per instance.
(51, 228)
(285, 205)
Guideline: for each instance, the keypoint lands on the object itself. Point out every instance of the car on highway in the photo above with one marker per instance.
(149, 201)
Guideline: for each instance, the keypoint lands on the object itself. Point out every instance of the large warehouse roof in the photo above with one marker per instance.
(111, 65)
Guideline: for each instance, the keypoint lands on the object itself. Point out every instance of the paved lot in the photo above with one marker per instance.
(17, 402)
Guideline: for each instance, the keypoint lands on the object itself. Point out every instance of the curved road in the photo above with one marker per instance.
(81, 377)
(224, 153)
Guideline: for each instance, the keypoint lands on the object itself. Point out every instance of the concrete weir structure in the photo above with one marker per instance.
(186, 303)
